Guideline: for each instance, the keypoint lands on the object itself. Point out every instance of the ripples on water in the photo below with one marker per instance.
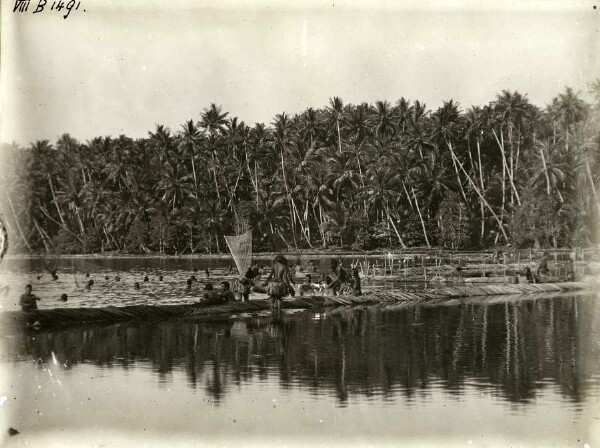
(523, 367)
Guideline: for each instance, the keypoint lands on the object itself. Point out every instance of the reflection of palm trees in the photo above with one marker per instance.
(513, 346)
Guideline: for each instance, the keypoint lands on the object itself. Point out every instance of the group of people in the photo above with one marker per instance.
(337, 282)
(543, 273)
(278, 284)
(280, 281)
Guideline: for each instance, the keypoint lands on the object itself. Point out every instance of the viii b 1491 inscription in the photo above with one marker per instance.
(38, 6)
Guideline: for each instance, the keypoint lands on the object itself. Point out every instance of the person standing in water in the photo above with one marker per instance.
(28, 301)
(279, 282)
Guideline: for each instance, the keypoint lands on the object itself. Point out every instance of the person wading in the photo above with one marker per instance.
(28, 301)
(279, 282)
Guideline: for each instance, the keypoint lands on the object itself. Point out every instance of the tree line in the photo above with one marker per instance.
(362, 176)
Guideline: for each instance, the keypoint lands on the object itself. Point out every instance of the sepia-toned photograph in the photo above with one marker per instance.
(299, 223)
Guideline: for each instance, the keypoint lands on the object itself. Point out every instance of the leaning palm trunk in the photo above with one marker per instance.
(195, 179)
(339, 136)
(408, 196)
(37, 226)
(481, 197)
(60, 215)
(214, 170)
(294, 209)
(545, 171)
(482, 189)
(45, 238)
(17, 221)
(592, 184)
(391, 221)
(362, 182)
(47, 214)
(462, 191)
(420, 217)
(237, 181)
(252, 178)
(507, 169)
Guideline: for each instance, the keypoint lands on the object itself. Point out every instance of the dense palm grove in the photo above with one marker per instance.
(361, 176)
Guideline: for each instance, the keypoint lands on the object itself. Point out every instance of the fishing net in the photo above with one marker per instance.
(240, 247)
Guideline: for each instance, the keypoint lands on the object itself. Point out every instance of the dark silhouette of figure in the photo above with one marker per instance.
(28, 301)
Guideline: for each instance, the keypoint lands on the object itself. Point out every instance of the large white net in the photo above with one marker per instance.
(240, 247)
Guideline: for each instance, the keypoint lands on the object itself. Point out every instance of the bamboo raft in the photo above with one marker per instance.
(46, 318)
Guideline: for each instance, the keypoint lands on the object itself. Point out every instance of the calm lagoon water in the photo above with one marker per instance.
(496, 372)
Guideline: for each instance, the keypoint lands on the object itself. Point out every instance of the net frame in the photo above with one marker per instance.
(240, 247)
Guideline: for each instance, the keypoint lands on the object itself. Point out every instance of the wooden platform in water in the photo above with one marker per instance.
(47, 318)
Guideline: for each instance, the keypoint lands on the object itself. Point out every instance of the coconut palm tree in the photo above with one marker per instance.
(189, 140)
(336, 113)
(213, 121)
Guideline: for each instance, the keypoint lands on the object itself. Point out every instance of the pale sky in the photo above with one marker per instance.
(123, 67)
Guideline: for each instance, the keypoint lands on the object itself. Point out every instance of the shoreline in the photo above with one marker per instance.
(312, 253)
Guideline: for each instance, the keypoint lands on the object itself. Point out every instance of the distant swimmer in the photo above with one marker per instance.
(136, 286)
(193, 278)
(160, 278)
(189, 283)
(106, 277)
(87, 274)
(207, 272)
(117, 279)
(28, 301)
(64, 297)
(146, 279)
(89, 284)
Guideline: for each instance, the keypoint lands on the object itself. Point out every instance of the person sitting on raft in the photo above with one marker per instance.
(247, 280)
(338, 275)
(211, 297)
(279, 282)
(307, 286)
(226, 293)
(570, 271)
(543, 267)
(28, 301)
(355, 283)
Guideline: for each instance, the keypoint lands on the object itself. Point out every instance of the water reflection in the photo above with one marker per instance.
(514, 349)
